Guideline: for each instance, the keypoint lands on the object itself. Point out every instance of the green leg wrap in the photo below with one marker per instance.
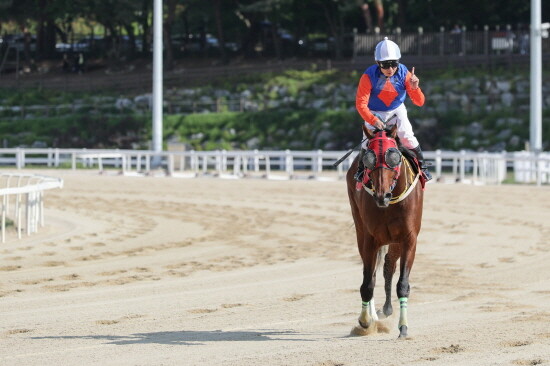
(403, 311)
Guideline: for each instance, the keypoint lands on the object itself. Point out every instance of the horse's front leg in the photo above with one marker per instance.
(408, 252)
(368, 254)
(390, 263)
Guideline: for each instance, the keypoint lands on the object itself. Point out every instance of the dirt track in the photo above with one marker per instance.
(163, 271)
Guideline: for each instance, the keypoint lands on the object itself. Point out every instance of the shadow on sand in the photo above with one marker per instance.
(186, 337)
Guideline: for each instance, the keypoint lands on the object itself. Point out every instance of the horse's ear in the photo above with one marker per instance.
(393, 132)
(367, 132)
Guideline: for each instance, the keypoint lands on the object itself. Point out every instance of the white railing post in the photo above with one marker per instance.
(462, 165)
(256, 161)
(438, 164)
(50, 157)
(289, 163)
(28, 214)
(41, 207)
(19, 214)
(4, 218)
(182, 162)
(193, 163)
(267, 166)
(539, 171)
(170, 164)
(18, 158)
(474, 170)
(236, 165)
(204, 164)
(223, 161)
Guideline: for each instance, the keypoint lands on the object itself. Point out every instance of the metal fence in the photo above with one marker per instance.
(24, 190)
(458, 47)
(448, 166)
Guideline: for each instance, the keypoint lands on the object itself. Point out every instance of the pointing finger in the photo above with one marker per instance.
(412, 72)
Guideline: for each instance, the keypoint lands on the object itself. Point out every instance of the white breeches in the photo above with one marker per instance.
(404, 128)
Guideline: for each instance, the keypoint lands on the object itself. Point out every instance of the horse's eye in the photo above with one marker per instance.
(392, 157)
(369, 159)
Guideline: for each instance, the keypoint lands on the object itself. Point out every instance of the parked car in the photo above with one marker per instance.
(18, 42)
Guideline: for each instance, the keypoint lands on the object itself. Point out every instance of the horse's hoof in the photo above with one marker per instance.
(403, 332)
(380, 314)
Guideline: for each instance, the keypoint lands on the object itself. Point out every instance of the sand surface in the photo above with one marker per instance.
(166, 271)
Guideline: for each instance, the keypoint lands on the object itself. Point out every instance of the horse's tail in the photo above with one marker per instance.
(380, 256)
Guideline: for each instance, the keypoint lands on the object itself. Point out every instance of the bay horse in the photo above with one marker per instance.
(387, 212)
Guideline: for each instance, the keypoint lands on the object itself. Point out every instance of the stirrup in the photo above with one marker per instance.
(359, 175)
(427, 174)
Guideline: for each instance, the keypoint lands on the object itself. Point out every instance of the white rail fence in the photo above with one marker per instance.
(455, 166)
(24, 190)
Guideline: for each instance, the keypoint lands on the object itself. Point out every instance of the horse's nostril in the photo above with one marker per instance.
(387, 195)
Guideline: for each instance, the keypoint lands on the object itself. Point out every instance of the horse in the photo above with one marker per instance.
(387, 211)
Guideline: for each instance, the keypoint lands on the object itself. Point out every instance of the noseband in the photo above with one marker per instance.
(383, 153)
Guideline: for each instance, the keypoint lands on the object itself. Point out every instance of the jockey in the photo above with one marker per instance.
(380, 95)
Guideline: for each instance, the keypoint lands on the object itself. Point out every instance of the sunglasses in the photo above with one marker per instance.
(388, 64)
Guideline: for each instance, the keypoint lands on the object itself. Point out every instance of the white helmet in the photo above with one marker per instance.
(386, 50)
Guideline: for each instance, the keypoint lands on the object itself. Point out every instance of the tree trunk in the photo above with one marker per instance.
(219, 25)
(131, 39)
(368, 17)
(379, 6)
(332, 17)
(167, 32)
(40, 34)
(49, 41)
(145, 26)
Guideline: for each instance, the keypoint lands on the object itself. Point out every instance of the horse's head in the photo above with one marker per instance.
(383, 162)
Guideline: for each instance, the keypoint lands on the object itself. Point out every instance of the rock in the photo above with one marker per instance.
(246, 94)
(220, 93)
(504, 134)
(507, 99)
(253, 143)
(522, 86)
(426, 122)
(318, 104)
(206, 99)
(514, 140)
(474, 129)
(144, 101)
(503, 86)
(322, 138)
(122, 103)
(273, 104)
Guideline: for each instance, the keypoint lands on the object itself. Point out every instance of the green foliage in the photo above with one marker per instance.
(76, 131)
(270, 129)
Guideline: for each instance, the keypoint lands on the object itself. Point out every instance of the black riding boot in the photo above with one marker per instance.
(420, 157)
(360, 167)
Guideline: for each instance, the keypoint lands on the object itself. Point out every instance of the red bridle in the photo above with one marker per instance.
(384, 150)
